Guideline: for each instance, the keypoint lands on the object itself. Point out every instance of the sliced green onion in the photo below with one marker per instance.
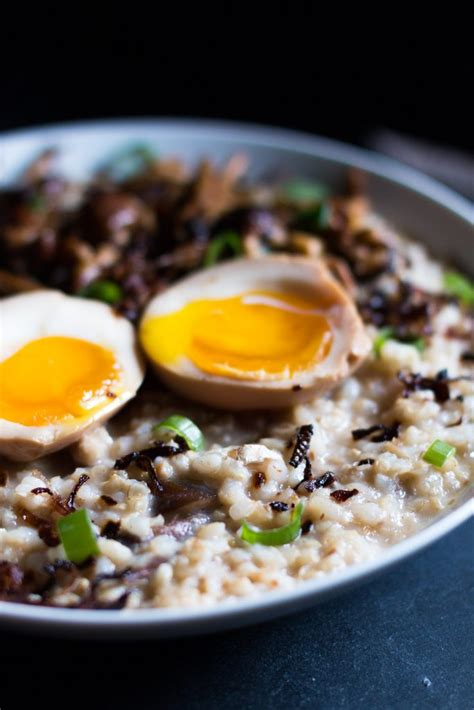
(274, 536)
(77, 536)
(106, 291)
(181, 426)
(303, 192)
(36, 202)
(128, 162)
(381, 338)
(414, 341)
(438, 452)
(317, 219)
(389, 333)
(226, 241)
(460, 286)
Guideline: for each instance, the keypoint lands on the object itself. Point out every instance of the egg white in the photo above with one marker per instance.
(39, 314)
(300, 276)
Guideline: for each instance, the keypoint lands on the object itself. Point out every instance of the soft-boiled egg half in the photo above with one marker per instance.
(251, 334)
(66, 364)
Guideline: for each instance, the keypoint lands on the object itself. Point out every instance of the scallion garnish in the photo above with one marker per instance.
(36, 202)
(130, 161)
(389, 333)
(381, 338)
(414, 341)
(460, 286)
(106, 291)
(317, 219)
(183, 427)
(224, 242)
(438, 452)
(303, 192)
(77, 536)
(274, 536)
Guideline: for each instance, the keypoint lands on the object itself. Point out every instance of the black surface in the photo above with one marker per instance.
(403, 641)
(285, 65)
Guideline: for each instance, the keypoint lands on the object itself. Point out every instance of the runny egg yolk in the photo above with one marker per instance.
(55, 379)
(257, 335)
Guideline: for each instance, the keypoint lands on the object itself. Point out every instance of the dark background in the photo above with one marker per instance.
(403, 640)
(286, 64)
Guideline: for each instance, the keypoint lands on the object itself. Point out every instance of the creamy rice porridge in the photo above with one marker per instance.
(268, 498)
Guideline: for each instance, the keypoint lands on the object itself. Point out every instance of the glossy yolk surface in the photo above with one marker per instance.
(55, 379)
(258, 335)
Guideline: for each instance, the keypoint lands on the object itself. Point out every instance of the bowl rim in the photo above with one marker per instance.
(178, 621)
(271, 137)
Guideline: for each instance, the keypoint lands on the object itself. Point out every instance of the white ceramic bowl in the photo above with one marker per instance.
(414, 203)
